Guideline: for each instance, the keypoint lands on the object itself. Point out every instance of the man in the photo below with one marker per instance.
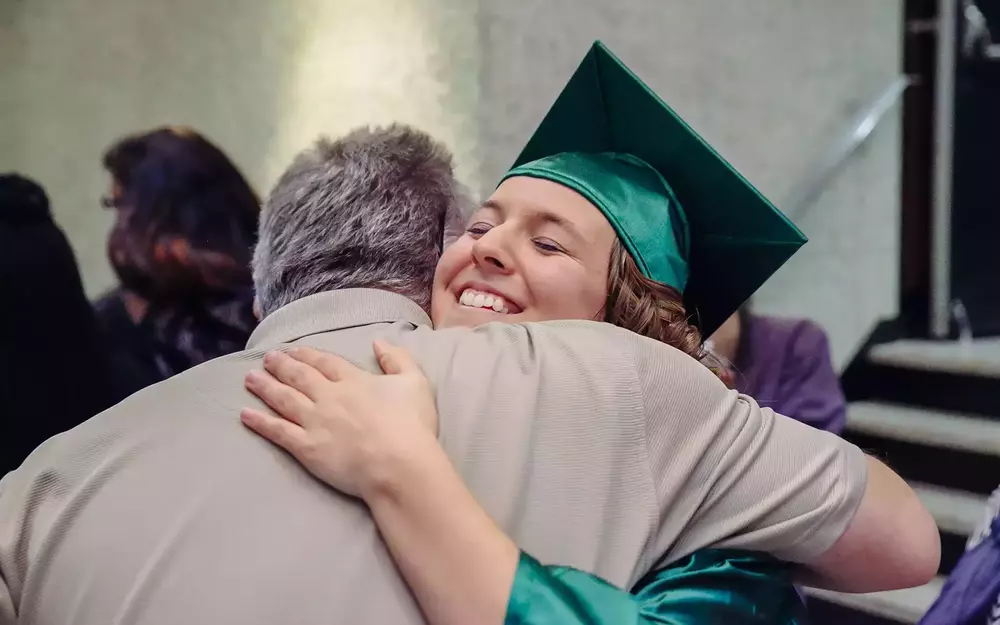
(165, 509)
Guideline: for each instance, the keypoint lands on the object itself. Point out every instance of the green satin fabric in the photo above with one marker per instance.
(710, 587)
(635, 199)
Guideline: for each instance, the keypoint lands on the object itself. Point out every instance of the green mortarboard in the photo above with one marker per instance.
(686, 216)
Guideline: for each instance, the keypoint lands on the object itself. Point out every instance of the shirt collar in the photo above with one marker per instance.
(334, 310)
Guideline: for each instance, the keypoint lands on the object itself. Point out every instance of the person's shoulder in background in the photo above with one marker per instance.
(806, 340)
(799, 336)
(126, 344)
(791, 371)
(971, 594)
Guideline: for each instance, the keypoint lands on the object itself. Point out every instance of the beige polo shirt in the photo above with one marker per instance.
(589, 445)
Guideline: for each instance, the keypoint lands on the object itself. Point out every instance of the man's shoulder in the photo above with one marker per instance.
(589, 350)
(209, 392)
(191, 418)
(787, 330)
(573, 335)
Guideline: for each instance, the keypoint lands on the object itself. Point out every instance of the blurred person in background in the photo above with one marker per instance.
(971, 596)
(184, 231)
(55, 369)
(784, 364)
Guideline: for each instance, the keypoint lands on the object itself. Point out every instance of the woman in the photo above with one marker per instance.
(784, 364)
(184, 231)
(567, 235)
(55, 371)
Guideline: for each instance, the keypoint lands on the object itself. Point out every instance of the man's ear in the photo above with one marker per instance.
(256, 308)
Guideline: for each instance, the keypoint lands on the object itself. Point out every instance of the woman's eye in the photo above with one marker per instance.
(478, 229)
(547, 246)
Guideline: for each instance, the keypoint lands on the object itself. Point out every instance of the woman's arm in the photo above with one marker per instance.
(463, 569)
(709, 587)
(459, 564)
(375, 437)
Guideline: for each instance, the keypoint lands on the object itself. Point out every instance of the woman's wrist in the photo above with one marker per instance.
(396, 472)
(459, 564)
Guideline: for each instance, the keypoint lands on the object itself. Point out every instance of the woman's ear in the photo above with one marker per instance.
(256, 308)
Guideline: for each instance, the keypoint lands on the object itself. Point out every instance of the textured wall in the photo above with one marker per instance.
(262, 78)
(769, 84)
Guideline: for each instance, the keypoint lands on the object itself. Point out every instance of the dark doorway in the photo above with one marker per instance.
(975, 207)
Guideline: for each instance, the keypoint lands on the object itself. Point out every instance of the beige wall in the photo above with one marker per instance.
(769, 83)
(261, 78)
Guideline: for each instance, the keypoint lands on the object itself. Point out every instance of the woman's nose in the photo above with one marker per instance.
(490, 254)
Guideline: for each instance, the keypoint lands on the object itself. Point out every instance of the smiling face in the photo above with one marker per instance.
(535, 251)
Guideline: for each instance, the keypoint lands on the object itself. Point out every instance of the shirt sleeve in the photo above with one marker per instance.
(8, 615)
(728, 473)
(710, 587)
(31, 497)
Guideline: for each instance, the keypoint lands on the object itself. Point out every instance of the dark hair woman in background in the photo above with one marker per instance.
(55, 369)
(184, 232)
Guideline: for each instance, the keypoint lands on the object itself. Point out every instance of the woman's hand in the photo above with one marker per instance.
(375, 436)
(351, 429)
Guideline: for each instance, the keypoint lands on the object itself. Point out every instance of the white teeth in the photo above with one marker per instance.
(476, 299)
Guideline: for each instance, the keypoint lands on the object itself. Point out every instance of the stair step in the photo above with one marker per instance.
(932, 428)
(905, 606)
(956, 512)
(979, 358)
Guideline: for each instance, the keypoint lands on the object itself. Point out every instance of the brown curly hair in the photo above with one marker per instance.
(648, 307)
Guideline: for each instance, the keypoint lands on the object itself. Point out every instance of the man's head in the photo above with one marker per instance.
(369, 210)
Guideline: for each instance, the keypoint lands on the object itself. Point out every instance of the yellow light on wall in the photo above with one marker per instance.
(380, 61)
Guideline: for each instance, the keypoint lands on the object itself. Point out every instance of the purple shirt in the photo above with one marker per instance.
(971, 596)
(787, 368)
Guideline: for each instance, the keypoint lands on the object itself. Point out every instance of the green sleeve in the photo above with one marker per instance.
(712, 586)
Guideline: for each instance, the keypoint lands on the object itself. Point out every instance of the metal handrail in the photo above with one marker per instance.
(841, 149)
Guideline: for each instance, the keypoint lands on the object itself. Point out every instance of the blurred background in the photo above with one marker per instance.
(770, 84)
(873, 125)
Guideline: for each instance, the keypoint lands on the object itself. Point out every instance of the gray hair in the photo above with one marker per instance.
(369, 210)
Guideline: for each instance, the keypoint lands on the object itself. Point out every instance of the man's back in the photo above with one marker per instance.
(165, 510)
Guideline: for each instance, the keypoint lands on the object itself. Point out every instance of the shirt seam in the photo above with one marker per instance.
(646, 560)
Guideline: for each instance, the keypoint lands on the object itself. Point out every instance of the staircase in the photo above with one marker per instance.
(931, 411)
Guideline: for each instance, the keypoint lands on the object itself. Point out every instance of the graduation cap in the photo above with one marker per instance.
(684, 214)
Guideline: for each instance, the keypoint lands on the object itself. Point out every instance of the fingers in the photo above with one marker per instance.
(298, 375)
(282, 433)
(394, 359)
(285, 400)
(334, 368)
